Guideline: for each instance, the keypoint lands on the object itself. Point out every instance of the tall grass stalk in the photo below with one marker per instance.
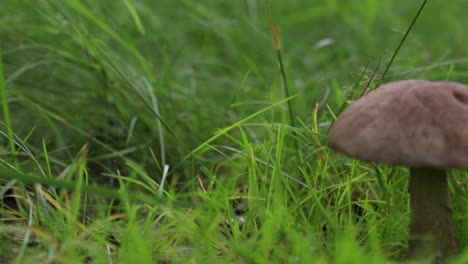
(6, 110)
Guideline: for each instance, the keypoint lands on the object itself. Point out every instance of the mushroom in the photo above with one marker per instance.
(422, 125)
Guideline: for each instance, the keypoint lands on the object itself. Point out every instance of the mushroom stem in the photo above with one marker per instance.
(432, 230)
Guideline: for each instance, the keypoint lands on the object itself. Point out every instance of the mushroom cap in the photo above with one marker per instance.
(413, 123)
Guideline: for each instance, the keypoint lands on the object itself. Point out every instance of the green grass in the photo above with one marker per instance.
(99, 97)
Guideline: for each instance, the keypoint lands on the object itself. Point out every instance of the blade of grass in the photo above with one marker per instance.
(403, 39)
(135, 16)
(364, 91)
(6, 110)
(10, 174)
(236, 124)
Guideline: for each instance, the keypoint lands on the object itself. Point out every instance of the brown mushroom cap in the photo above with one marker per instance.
(412, 122)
